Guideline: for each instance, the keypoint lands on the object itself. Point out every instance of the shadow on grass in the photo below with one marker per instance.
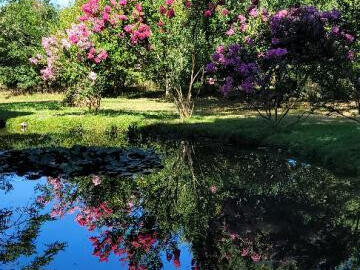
(211, 106)
(161, 115)
(35, 105)
(135, 94)
(334, 145)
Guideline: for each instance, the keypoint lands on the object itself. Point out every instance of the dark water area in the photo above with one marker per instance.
(177, 205)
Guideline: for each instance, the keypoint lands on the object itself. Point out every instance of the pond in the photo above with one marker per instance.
(174, 205)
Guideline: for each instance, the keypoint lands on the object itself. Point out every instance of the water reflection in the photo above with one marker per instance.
(210, 207)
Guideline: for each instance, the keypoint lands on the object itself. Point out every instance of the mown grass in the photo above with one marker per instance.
(330, 142)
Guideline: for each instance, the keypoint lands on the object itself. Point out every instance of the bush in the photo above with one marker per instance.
(22, 25)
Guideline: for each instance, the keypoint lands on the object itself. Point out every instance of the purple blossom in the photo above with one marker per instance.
(234, 49)
(216, 56)
(349, 37)
(275, 53)
(351, 55)
(228, 86)
(247, 86)
(249, 40)
(275, 41)
(210, 68)
(335, 30)
(331, 15)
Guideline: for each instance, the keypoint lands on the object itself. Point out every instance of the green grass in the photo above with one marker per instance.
(330, 142)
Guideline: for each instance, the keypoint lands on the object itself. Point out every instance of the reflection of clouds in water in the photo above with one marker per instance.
(292, 162)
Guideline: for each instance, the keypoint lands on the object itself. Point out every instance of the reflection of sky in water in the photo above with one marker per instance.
(78, 252)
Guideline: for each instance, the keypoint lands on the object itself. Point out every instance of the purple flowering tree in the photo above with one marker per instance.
(287, 50)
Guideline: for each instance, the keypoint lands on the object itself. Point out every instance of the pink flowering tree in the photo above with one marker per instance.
(98, 51)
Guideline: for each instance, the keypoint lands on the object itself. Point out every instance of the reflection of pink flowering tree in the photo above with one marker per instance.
(122, 229)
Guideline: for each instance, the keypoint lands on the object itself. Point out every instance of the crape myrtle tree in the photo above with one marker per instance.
(97, 52)
(22, 25)
(274, 55)
(268, 56)
(183, 35)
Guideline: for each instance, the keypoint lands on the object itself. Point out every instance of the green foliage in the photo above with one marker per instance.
(22, 25)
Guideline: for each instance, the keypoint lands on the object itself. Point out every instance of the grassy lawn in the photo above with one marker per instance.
(330, 142)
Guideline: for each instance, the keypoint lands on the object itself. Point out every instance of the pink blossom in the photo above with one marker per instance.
(350, 55)
(106, 16)
(243, 27)
(128, 28)
(107, 9)
(65, 43)
(47, 73)
(91, 7)
(123, 17)
(95, 179)
(138, 7)
(225, 12)
(170, 13)
(84, 18)
(220, 49)
(241, 18)
(130, 204)
(74, 39)
(41, 200)
(187, 4)
(99, 25)
(249, 40)
(264, 14)
(282, 13)
(169, 2)
(254, 12)
(207, 13)
(211, 81)
(34, 60)
(349, 37)
(335, 30)
(213, 189)
(160, 23)
(123, 2)
(255, 257)
(162, 10)
(244, 252)
(230, 32)
(101, 56)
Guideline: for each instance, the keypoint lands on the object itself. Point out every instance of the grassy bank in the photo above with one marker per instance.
(331, 142)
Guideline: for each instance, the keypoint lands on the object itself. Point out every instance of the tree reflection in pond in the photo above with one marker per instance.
(236, 210)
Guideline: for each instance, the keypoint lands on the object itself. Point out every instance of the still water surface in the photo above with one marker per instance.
(209, 207)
